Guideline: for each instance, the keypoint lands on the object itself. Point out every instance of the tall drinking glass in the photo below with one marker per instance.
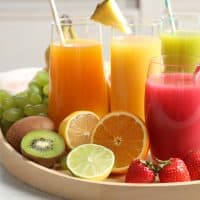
(172, 107)
(185, 41)
(130, 58)
(77, 80)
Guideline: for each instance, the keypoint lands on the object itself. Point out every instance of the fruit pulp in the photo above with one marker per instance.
(126, 135)
(77, 80)
(130, 58)
(183, 43)
(172, 108)
(91, 161)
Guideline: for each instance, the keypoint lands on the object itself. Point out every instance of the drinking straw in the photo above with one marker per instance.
(171, 18)
(57, 21)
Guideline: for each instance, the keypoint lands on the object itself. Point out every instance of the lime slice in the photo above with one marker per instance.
(108, 13)
(91, 161)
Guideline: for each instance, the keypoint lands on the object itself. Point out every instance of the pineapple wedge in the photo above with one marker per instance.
(108, 13)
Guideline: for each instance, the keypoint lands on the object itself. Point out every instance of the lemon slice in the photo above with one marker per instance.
(77, 128)
(91, 161)
(108, 13)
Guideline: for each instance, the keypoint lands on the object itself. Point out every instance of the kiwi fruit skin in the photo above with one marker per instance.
(20, 128)
(49, 163)
(46, 162)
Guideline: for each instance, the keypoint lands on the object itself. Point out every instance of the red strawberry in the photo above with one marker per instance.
(174, 170)
(140, 172)
(192, 160)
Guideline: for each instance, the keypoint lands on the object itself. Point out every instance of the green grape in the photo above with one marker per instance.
(46, 100)
(1, 112)
(21, 99)
(5, 122)
(34, 82)
(8, 103)
(5, 125)
(35, 99)
(13, 114)
(46, 90)
(42, 78)
(22, 94)
(41, 109)
(3, 94)
(29, 110)
(34, 88)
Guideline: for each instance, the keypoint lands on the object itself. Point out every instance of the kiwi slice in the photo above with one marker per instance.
(43, 147)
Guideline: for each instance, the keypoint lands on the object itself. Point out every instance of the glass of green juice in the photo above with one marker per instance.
(185, 41)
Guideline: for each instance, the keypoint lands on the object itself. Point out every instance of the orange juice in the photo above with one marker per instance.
(130, 58)
(77, 80)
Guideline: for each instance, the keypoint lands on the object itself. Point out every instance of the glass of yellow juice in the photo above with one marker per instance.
(130, 57)
(77, 80)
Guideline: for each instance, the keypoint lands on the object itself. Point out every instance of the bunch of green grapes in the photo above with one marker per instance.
(33, 101)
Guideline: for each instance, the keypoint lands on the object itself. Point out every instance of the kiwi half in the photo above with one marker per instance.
(23, 126)
(43, 147)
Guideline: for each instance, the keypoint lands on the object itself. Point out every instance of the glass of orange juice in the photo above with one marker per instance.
(77, 80)
(130, 57)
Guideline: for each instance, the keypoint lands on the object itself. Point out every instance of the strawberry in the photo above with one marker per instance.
(140, 172)
(174, 170)
(192, 160)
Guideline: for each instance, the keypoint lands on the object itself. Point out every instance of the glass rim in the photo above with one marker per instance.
(86, 20)
(141, 23)
(158, 60)
(77, 20)
(181, 14)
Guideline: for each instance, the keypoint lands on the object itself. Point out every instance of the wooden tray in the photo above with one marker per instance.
(62, 184)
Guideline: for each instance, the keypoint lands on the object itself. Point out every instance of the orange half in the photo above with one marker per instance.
(126, 135)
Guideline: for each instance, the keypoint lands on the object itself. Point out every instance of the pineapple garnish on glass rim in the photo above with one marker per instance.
(108, 13)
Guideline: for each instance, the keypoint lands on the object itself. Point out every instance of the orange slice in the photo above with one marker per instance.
(126, 135)
(77, 128)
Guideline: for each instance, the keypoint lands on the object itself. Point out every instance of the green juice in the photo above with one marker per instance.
(184, 46)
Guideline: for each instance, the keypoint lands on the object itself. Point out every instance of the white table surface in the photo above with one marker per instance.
(13, 189)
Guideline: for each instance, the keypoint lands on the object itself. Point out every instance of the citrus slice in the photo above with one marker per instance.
(126, 135)
(108, 13)
(91, 161)
(77, 128)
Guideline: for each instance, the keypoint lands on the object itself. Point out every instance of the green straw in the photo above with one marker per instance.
(171, 17)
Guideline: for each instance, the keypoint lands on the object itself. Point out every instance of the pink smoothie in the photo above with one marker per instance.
(172, 111)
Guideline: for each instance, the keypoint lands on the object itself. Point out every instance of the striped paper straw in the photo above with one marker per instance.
(171, 17)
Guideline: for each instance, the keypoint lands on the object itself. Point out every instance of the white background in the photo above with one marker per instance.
(24, 35)
(25, 25)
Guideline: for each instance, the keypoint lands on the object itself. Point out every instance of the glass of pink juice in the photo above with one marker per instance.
(172, 107)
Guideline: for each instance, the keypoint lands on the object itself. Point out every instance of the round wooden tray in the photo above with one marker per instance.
(62, 184)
